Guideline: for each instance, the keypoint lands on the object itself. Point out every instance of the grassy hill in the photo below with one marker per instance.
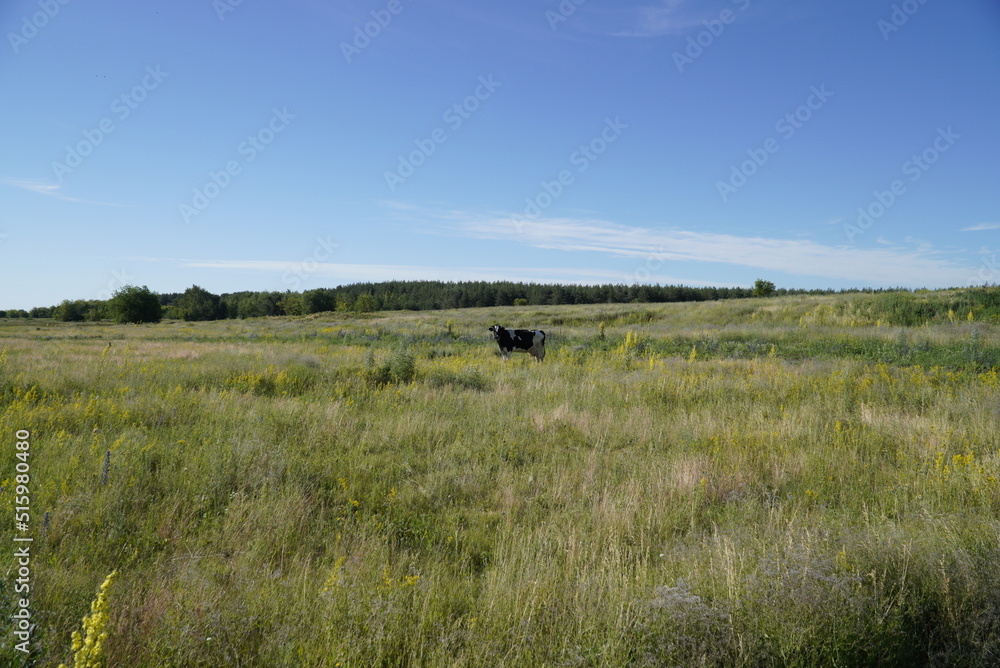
(806, 480)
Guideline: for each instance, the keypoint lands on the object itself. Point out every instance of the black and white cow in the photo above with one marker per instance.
(531, 341)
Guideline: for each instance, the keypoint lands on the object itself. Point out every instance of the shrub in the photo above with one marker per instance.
(135, 305)
(469, 379)
(401, 367)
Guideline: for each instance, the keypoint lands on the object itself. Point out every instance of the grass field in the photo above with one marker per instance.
(800, 481)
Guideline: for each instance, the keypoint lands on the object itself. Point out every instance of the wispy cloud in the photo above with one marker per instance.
(667, 17)
(981, 227)
(385, 272)
(48, 189)
(878, 266)
(398, 206)
(919, 266)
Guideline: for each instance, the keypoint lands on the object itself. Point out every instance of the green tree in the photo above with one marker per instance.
(199, 304)
(69, 311)
(291, 304)
(365, 303)
(96, 310)
(135, 304)
(762, 288)
(319, 300)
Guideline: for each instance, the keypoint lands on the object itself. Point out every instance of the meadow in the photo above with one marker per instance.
(794, 481)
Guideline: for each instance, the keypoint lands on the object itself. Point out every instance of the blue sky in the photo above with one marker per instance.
(302, 144)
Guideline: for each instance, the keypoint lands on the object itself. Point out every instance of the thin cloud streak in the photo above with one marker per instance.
(881, 266)
(981, 227)
(49, 190)
(665, 18)
(386, 272)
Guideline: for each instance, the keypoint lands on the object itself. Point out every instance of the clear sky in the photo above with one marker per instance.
(244, 145)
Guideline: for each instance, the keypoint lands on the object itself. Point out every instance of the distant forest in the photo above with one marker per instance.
(196, 303)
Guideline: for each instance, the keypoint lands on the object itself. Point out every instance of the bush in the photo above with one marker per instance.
(469, 379)
(401, 367)
(135, 305)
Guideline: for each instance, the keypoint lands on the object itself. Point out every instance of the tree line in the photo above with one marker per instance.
(138, 304)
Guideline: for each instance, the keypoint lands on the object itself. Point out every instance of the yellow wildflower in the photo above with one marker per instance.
(87, 648)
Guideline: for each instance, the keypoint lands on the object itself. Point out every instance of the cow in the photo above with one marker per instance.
(531, 341)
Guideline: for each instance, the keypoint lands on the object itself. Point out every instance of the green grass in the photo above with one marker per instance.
(773, 482)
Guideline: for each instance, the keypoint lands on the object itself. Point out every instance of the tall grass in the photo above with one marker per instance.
(708, 484)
